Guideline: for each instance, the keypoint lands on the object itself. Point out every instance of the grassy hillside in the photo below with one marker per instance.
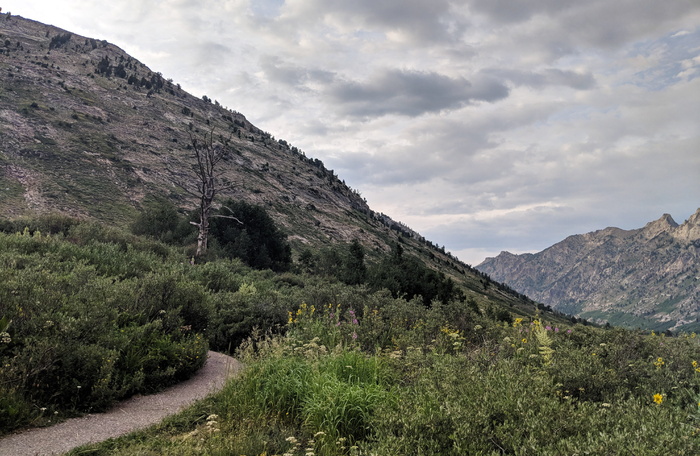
(89, 131)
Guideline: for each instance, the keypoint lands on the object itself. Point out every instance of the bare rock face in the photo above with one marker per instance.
(648, 277)
(690, 230)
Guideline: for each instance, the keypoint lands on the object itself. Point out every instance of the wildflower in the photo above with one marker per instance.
(548, 328)
(5, 337)
(556, 330)
(569, 331)
(524, 340)
(517, 322)
(658, 398)
(659, 363)
(354, 335)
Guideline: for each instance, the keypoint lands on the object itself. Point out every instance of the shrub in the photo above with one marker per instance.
(252, 236)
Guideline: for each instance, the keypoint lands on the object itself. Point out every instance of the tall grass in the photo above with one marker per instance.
(448, 382)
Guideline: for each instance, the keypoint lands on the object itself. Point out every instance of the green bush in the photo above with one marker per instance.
(88, 323)
(252, 236)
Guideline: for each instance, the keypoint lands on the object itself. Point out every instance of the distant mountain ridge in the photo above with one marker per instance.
(647, 277)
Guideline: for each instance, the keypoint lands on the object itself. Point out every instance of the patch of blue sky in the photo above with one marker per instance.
(579, 113)
(672, 56)
(269, 9)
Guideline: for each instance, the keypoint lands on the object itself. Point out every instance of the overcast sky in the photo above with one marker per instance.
(485, 125)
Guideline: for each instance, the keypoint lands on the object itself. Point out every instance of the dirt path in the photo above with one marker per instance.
(130, 415)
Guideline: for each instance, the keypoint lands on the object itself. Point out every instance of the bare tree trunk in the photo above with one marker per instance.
(203, 235)
(208, 156)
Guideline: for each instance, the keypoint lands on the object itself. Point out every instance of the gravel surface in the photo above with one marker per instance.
(133, 414)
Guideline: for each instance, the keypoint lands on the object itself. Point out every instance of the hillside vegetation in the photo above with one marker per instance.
(89, 131)
(91, 314)
(385, 376)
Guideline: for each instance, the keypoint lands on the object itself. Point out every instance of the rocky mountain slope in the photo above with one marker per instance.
(87, 130)
(648, 277)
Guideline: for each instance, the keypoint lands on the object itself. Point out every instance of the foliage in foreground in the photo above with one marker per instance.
(87, 324)
(392, 378)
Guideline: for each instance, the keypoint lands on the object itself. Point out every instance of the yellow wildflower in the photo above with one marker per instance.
(658, 398)
(659, 363)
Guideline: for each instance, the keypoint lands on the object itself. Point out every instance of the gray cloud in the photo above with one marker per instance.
(413, 93)
(418, 21)
(545, 78)
(289, 74)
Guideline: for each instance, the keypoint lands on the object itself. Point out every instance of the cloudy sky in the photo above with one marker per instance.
(486, 125)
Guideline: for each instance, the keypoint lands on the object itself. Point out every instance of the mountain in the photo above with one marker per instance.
(89, 131)
(647, 277)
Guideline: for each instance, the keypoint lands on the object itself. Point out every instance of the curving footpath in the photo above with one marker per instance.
(127, 416)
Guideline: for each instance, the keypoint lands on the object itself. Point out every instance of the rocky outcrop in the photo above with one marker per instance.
(648, 277)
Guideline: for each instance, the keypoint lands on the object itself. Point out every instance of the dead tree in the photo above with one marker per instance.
(208, 154)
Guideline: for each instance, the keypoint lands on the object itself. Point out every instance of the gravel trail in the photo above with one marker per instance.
(127, 416)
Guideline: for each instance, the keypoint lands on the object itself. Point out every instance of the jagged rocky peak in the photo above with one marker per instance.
(690, 230)
(664, 224)
(640, 277)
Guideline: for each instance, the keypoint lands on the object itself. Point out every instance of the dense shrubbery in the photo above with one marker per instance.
(387, 376)
(237, 230)
(252, 236)
(401, 274)
(89, 324)
(90, 314)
